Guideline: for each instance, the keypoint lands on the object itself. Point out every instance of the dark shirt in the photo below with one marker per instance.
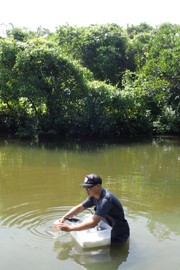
(109, 208)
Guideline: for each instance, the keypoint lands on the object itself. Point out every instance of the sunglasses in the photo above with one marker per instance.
(89, 187)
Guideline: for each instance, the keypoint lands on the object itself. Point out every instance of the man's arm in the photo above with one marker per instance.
(90, 223)
(74, 211)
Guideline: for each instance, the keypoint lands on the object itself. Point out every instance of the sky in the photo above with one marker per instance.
(53, 13)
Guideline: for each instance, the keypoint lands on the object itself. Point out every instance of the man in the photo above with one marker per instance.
(107, 208)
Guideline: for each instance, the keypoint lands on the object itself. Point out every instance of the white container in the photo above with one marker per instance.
(98, 236)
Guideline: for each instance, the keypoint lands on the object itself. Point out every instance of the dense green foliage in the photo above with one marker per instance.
(96, 81)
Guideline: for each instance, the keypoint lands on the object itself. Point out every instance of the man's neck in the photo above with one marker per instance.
(98, 194)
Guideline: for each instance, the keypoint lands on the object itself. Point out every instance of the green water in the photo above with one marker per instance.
(39, 182)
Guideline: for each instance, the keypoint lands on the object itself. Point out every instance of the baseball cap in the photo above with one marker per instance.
(92, 180)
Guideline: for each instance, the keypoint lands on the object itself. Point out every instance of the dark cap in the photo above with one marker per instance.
(92, 180)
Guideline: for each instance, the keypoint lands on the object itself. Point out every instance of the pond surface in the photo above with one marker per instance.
(40, 181)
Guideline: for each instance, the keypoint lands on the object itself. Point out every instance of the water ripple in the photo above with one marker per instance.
(37, 222)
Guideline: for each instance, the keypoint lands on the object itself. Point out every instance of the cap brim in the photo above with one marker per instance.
(86, 185)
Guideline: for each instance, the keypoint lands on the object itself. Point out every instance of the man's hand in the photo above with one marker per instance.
(61, 220)
(65, 227)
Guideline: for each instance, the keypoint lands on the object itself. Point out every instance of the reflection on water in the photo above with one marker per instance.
(39, 182)
(110, 257)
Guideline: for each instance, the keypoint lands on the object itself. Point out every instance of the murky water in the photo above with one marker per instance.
(39, 182)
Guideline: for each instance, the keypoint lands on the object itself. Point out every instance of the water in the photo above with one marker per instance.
(39, 182)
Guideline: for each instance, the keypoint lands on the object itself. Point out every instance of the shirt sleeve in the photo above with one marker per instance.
(88, 203)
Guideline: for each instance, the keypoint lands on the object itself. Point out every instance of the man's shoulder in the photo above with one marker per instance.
(112, 198)
(109, 194)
